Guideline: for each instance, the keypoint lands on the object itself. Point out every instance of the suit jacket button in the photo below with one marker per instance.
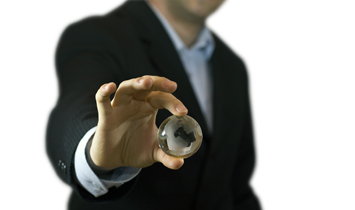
(62, 166)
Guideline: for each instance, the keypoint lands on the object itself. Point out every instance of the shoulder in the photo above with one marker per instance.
(225, 53)
(119, 23)
(97, 29)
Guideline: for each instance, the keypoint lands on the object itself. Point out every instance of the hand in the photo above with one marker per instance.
(126, 131)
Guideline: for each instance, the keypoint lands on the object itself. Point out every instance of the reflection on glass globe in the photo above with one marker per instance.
(180, 136)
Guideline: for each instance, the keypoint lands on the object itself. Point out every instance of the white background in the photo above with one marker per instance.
(300, 55)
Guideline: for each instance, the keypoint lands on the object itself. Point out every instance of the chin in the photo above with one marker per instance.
(204, 8)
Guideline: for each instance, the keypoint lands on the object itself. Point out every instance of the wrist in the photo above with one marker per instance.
(95, 167)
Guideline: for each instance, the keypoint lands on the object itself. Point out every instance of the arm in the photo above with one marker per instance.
(86, 59)
(94, 179)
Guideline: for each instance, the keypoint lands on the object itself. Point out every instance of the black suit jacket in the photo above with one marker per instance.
(130, 42)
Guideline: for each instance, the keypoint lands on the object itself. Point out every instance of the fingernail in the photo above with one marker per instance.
(104, 87)
(140, 80)
(181, 108)
(168, 83)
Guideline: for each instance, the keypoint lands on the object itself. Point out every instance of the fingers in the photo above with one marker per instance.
(159, 100)
(155, 90)
(102, 97)
(140, 88)
(168, 161)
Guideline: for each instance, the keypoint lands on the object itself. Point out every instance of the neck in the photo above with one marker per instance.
(187, 29)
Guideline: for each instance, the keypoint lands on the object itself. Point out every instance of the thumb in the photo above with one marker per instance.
(169, 161)
(102, 97)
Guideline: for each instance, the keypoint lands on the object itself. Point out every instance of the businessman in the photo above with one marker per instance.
(115, 72)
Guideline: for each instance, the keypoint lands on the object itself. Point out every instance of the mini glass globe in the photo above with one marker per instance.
(180, 136)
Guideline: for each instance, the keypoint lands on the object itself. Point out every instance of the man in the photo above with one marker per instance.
(100, 135)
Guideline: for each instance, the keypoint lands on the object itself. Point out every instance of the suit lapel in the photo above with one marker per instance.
(225, 97)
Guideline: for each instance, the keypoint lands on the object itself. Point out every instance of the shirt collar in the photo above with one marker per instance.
(204, 41)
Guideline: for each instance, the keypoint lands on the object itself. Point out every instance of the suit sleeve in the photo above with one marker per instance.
(87, 56)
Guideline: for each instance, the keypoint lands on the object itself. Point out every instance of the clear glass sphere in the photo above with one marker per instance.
(180, 136)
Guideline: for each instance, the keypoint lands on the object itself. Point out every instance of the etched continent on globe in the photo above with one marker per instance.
(180, 136)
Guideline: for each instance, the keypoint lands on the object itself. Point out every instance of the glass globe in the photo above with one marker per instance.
(180, 136)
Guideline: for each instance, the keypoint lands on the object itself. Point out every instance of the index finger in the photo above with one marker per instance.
(139, 88)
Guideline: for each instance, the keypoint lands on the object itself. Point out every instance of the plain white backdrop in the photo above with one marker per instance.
(301, 61)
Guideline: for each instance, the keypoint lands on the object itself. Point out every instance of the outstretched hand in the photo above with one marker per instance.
(126, 131)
